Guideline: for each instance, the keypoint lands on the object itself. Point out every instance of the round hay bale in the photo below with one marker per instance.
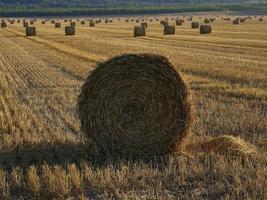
(91, 23)
(82, 22)
(3, 24)
(57, 25)
(164, 23)
(135, 106)
(179, 22)
(144, 24)
(205, 29)
(69, 30)
(212, 19)
(72, 24)
(195, 25)
(139, 31)
(169, 30)
(25, 24)
(206, 21)
(236, 21)
(43, 22)
(30, 31)
(260, 19)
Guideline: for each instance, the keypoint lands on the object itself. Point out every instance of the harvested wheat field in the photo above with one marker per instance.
(44, 154)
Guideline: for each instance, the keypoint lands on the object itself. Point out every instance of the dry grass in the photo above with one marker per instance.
(44, 155)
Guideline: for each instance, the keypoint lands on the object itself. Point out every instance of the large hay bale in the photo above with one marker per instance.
(135, 106)
(205, 29)
(261, 19)
(30, 31)
(82, 22)
(169, 30)
(139, 31)
(70, 30)
(57, 25)
(194, 25)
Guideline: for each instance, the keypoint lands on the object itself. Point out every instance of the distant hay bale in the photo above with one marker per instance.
(179, 22)
(25, 24)
(260, 19)
(53, 21)
(164, 23)
(43, 22)
(206, 21)
(91, 23)
(137, 20)
(106, 21)
(69, 30)
(223, 144)
(30, 31)
(139, 31)
(205, 29)
(98, 21)
(127, 20)
(57, 25)
(3, 24)
(82, 22)
(212, 19)
(236, 21)
(73, 24)
(144, 24)
(243, 20)
(169, 30)
(135, 106)
(31, 22)
(194, 25)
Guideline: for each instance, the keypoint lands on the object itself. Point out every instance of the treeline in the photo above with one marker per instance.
(118, 10)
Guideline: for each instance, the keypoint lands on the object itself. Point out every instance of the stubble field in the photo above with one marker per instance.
(43, 154)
